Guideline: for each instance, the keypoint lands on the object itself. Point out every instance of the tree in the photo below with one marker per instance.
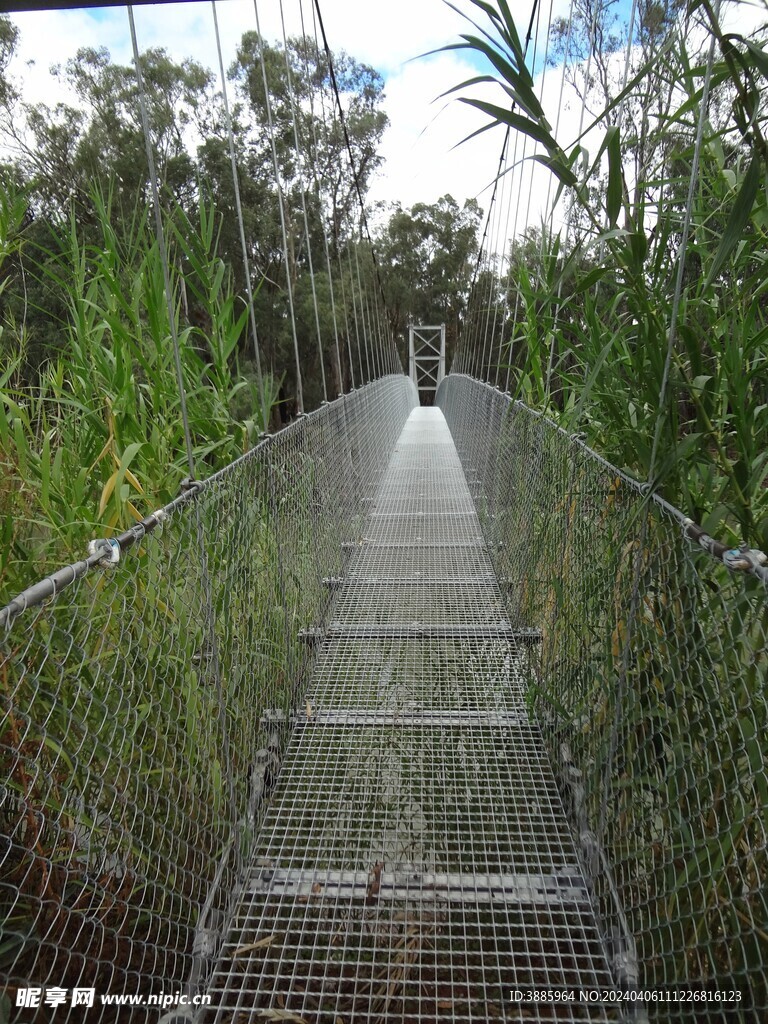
(64, 149)
(304, 70)
(428, 255)
(67, 153)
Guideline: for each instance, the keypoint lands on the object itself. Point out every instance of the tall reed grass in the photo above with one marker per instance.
(590, 339)
(96, 441)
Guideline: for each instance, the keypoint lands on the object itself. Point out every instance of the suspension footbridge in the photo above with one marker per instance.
(409, 713)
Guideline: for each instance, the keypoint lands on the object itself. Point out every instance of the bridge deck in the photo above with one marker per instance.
(415, 863)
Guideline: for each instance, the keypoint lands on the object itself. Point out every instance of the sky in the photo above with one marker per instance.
(422, 158)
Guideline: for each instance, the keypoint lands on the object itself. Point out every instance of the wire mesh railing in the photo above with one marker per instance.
(651, 690)
(145, 706)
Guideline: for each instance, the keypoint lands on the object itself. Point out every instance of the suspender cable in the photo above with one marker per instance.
(300, 165)
(549, 207)
(240, 222)
(503, 244)
(345, 306)
(635, 599)
(335, 228)
(367, 331)
(682, 253)
(471, 335)
(516, 170)
(281, 207)
(318, 195)
(619, 117)
(343, 122)
(377, 326)
(566, 55)
(364, 374)
(499, 174)
(160, 232)
(546, 231)
(569, 215)
(493, 265)
(520, 186)
(204, 570)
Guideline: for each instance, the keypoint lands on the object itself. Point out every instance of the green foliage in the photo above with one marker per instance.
(589, 334)
(63, 150)
(653, 670)
(98, 441)
(427, 255)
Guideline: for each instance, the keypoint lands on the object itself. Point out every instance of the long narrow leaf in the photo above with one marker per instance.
(532, 129)
(615, 188)
(737, 221)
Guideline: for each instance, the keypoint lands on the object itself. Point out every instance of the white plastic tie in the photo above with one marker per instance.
(108, 549)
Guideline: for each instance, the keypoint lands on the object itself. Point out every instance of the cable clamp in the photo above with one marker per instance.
(190, 486)
(745, 559)
(109, 550)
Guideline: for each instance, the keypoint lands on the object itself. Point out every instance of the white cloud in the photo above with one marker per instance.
(423, 160)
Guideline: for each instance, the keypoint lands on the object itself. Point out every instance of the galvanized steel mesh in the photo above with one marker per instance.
(651, 692)
(145, 711)
(415, 863)
(351, 739)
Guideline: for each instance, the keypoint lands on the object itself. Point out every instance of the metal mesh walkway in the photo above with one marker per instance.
(415, 863)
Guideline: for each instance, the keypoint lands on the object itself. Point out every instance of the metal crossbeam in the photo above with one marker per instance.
(420, 886)
(410, 718)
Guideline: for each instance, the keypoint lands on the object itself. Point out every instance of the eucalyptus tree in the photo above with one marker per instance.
(592, 47)
(292, 135)
(428, 254)
(301, 93)
(64, 148)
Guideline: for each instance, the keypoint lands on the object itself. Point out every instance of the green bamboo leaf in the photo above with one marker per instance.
(45, 472)
(477, 80)
(508, 32)
(559, 168)
(525, 94)
(737, 221)
(759, 56)
(518, 79)
(479, 131)
(590, 279)
(532, 129)
(615, 189)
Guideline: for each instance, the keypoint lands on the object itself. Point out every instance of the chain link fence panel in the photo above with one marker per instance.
(145, 708)
(651, 690)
